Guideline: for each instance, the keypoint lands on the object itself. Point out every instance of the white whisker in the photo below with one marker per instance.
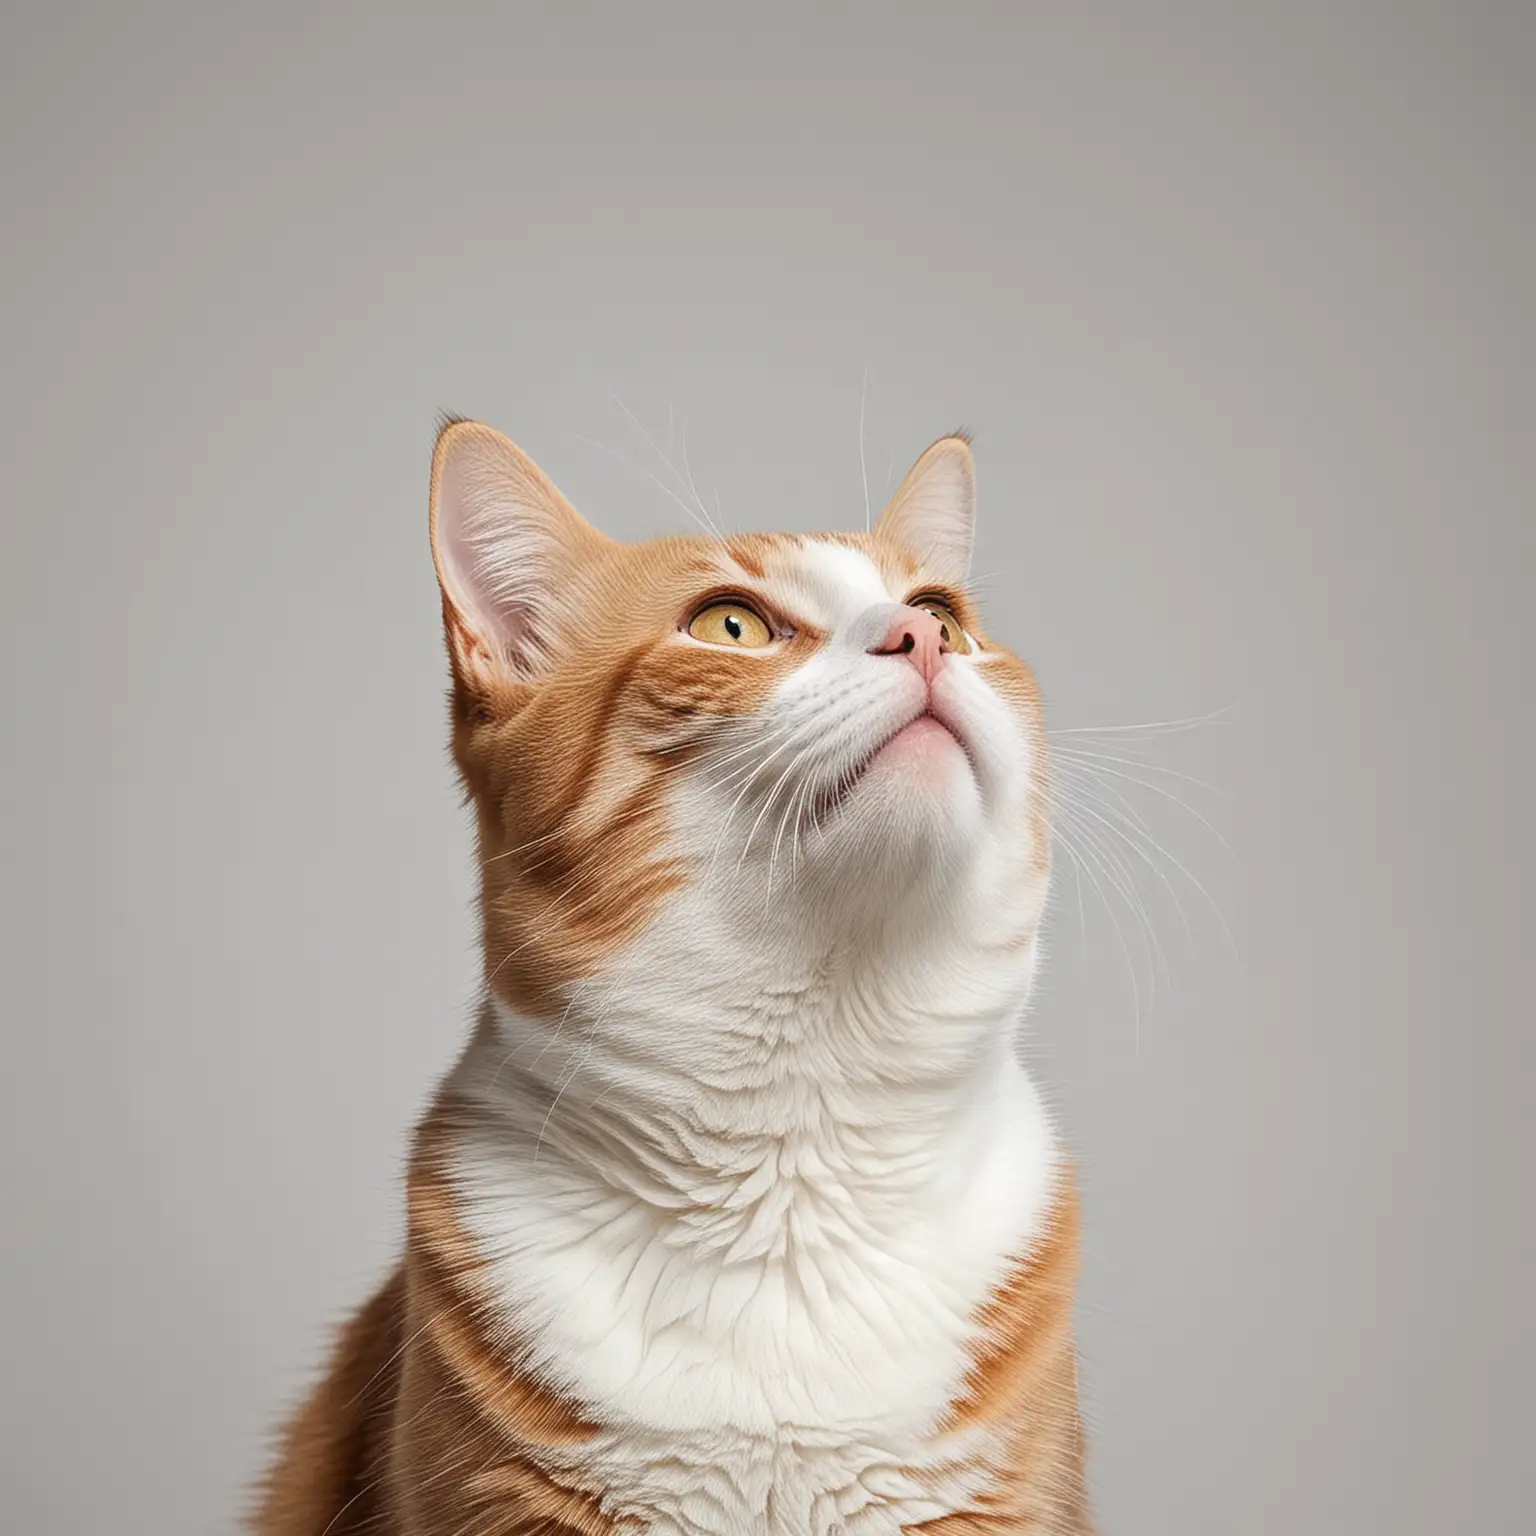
(655, 480)
(671, 467)
(1216, 717)
(1178, 864)
(863, 471)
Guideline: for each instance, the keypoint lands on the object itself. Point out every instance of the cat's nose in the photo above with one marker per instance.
(919, 636)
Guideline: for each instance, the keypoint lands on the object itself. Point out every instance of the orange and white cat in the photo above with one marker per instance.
(738, 1214)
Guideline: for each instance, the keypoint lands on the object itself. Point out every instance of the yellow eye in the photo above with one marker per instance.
(954, 636)
(730, 623)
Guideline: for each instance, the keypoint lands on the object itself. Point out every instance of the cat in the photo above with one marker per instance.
(739, 1213)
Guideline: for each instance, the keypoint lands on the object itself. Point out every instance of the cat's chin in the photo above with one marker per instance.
(916, 806)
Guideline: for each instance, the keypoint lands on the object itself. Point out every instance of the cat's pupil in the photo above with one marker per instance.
(733, 626)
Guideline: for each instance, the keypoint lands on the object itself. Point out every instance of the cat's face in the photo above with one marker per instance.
(779, 746)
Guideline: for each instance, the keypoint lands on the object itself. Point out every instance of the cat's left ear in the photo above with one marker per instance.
(932, 516)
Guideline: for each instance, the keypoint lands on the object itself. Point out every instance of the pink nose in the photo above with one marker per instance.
(919, 636)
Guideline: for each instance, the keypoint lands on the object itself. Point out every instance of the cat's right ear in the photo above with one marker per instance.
(508, 549)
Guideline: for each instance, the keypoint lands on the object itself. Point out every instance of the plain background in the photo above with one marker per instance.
(1238, 300)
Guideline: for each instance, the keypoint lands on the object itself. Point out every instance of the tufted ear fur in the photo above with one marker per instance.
(933, 513)
(509, 551)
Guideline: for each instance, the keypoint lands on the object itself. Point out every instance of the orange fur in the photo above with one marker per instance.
(1023, 1386)
(425, 1425)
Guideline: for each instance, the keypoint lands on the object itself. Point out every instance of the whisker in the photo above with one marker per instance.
(1139, 762)
(1122, 877)
(1183, 870)
(772, 795)
(704, 515)
(863, 471)
(693, 490)
(1092, 770)
(790, 805)
(655, 480)
(1220, 716)
(1109, 910)
(791, 729)
(1135, 847)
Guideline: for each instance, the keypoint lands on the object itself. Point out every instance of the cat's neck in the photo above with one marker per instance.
(732, 1150)
(684, 1255)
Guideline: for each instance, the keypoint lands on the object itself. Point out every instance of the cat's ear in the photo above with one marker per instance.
(932, 516)
(508, 549)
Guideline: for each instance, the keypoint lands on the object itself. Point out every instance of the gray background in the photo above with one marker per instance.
(1238, 301)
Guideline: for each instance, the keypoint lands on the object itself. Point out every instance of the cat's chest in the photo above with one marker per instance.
(761, 1399)
(822, 1335)
(776, 1356)
(797, 1483)
(793, 1394)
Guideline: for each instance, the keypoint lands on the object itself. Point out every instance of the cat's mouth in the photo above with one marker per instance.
(923, 727)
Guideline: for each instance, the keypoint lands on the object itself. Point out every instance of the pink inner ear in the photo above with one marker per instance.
(478, 546)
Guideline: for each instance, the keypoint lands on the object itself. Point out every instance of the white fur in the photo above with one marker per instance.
(745, 1201)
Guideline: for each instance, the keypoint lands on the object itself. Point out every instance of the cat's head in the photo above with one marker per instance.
(785, 754)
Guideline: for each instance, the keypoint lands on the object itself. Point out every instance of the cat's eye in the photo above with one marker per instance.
(954, 634)
(730, 623)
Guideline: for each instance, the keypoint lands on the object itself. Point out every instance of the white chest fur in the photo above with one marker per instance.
(770, 1328)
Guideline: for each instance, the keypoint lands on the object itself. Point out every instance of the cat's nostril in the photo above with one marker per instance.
(917, 635)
